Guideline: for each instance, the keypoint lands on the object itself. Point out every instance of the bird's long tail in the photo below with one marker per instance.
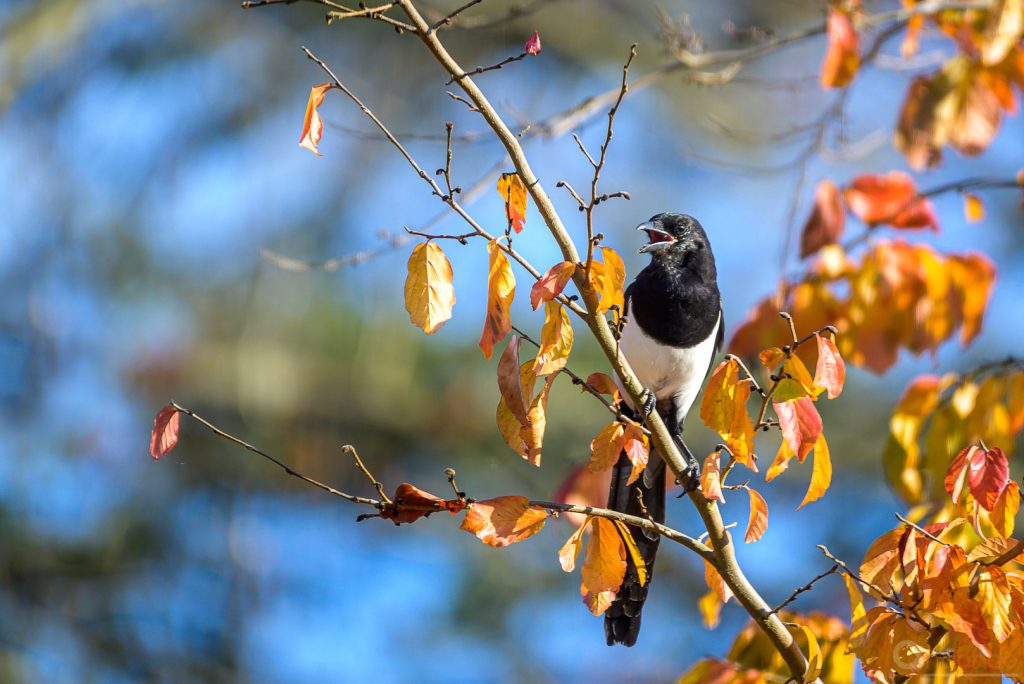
(622, 619)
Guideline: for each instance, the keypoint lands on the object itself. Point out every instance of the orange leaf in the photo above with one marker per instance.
(165, 432)
(830, 372)
(770, 357)
(605, 448)
(634, 443)
(570, 550)
(555, 340)
(634, 552)
(615, 280)
(710, 477)
(821, 474)
(504, 520)
(974, 210)
(724, 410)
(827, 220)
(551, 284)
(411, 504)
(1005, 510)
(604, 566)
(782, 458)
(842, 57)
(510, 383)
(758, 522)
(312, 124)
(533, 436)
(513, 191)
(526, 438)
(583, 487)
(429, 295)
(985, 471)
(501, 289)
(891, 199)
(800, 423)
(716, 583)
(603, 384)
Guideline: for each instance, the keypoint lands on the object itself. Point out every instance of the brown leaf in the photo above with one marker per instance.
(551, 284)
(501, 289)
(165, 432)
(510, 384)
(842, 57)
(758, 522)
(827, 220)
(411, 503)
(513, 191)
(429, 295)
(312, 124)
(504, 520)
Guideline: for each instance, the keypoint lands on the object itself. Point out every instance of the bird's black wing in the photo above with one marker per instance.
(719, 341)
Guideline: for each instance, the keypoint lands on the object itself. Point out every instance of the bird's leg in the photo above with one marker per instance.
(692, 475)
(647, 405)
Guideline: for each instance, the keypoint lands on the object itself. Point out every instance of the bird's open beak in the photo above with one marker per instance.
(659, 239)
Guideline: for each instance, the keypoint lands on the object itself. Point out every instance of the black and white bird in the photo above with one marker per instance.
(674, 328)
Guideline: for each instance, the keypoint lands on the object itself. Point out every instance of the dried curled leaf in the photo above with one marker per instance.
(312, 124)
(429, 294)
(411, 503)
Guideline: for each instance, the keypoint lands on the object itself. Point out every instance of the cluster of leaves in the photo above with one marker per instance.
(936, 415)
(950, 595)
(962, 103)
(896, 296)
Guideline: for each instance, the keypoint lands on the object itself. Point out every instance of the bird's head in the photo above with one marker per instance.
(673, 235)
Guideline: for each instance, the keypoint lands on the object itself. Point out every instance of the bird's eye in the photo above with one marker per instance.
(700, 245)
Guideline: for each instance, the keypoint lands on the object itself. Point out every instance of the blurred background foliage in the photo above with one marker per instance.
(149, 153)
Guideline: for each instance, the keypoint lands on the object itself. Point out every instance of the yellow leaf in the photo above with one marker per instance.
(501, 289)
(770, 357)
(974, 210)
(782, 458)
(533, 435)
(634, 552)
(429, 295)
(758, 522)
(814, 659)
(555, 340)
(312, 124)
(504, 520)
(570, 551)
(821, 474)
(604, 565)
(710, 478)
(710, 607)
(724, 410)
(859, 625)
(1005, 510)
(614, 281)
(606, 447)
(513, 191)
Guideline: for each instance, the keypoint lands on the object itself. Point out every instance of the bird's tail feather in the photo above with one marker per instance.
(622, 619)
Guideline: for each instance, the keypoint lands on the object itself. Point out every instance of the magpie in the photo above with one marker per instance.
(674, 328)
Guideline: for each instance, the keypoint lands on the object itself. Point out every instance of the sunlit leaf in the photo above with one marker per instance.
(634, 444)
(1005, 510)
(312, 124)
(570, 551)
(710, 607)
(555, 340)
(604, 565)
(826, 222)
(800, 423)
(603, 384)
(513, 192)
(891, 199)
(606, 447)
(412, 503)
(842, 57)
(504, 520)
(165, 432)
(830, 372)
(710, 477)
(551, 284)
(429, 295)
(974, 210)
(724, 410)
(501, 289)
(758, 522)
(510, 383)
(634, 552)
(821, 474)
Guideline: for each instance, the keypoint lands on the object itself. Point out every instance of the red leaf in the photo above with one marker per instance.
(827, 220)
(830, 372)
(800, 423)
(533, 46)
(985, 472)
(411, 503)
(890, 199)
(165, 433)
(551, 284)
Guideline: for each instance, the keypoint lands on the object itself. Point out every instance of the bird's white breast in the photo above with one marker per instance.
(668, 371)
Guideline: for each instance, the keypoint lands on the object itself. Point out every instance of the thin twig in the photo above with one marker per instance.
(349, 449)
(484, 69)
(448, 18)
(806, 587)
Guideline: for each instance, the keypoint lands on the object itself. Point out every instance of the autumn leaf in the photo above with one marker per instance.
(551, 284)
(796, 382)
(555, 340)
(827, 220)
(605, 448)
(533, 436)
(504, 520)
(533, 46)
(892, 199)
(513, 191)
(771, 357)
(570, 550)
(603, 384)
(411, 503)
(800, 423)
(634, 552)
(821, 474)
(716, 583)
(525, 438)
(758, 522)
(710, 607)
(985, 472)
(501, 289)
(1003, 31)
(312, 124)
(165, 432)
(608, 279)
(974, 210)
(724, 410)
(510, 384)
(830, 372)
(604, 565)
(1005, 510)
(814, 659)
(582, 487)
(782, 458)
(842, 57)
(634, 444)
(429, 295)
(710, 477)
